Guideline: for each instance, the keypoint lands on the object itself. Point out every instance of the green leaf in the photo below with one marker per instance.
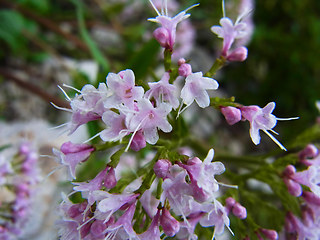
(144, 59)
(95, 51)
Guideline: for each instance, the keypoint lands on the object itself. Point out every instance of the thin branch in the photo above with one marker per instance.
(8, 76)
(46, 23)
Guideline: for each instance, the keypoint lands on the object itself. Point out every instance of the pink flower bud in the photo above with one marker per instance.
(185, 70)
(239, 211)
(309, 151)
(238, 55)
(229, 204)
(311, 198)
(269, 233)
(110, 180)
(289, 171)
(169, 224)
(294, 188)
(193, 161)
(162, 36)
(232, 114)
(138, 142)
(161, 168)
(181, 61)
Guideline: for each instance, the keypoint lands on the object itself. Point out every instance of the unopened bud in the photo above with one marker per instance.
(161, 168)
(239, 211)
(294, 188)
(269, 233)
(138, 142)
(311, 198)
(169, 224)
(231, 114)
(110, 180)
(185, 70)
(229, 204)
(162, 36)
(289, 171)
(238, 55)
(310, 151)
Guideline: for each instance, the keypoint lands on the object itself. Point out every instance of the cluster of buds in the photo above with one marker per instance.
(18, 177)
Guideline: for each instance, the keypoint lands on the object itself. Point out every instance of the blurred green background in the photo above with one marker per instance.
(282, 65)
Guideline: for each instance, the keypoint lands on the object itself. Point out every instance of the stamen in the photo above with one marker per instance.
(166, 7)
(154, 7)
(78, 228)
(243, 15)
(181, 111)
(275, 140)
(227, 185)
(59, 126)
(61, 108)
(223, 9)
(134, 133)
(68, 86)
(274, 132)
(92, 137)
(64, 93)
(193, 6)
(287, 119)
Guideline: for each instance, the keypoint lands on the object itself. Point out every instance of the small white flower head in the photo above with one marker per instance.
(166, 34)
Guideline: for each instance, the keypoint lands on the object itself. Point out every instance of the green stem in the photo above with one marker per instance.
(219, 63)
(167, 59)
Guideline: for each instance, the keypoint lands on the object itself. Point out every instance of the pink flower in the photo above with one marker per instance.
(231, 114)
(262, 119)
(149, 119)
(123, 88)
(116, 127)
(216, 215)
(72, 154)
(195, 89)
(229, 32)
(163, 91)
(122, 228)
(166, 34)
(168, 223)
(153, 231)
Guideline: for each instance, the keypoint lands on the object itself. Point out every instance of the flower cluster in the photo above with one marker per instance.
(189, 197)
(171, 193)
(18, 177)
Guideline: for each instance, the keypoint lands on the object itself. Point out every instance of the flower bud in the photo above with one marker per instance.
(110, 180)
(185, 69)
(181, 61)
(169, 224)
(308, 216)
(138, 142)
(289, 171)
(239, 211)
(269, 233)
(231, 114)
(238, 55)
(294, 188)
(310, 151)
(161, 168)
(162, 36)
(311, 198)
(229, 204)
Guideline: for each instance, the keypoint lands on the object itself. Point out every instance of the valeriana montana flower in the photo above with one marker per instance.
(195, 89)
(153, 231)
(202, 174)
(71, 154)
(123, 227)
(166, 34)
(229, 32)
(163, 91)
(86, 106)
(262, 119)
(123, 89)
(148, 119)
